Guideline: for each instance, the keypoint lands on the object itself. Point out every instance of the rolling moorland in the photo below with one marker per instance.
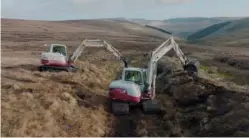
(230, 33)
(75, 104)
(184, 26)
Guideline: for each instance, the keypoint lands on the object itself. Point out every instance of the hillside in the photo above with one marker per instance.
(56, 104)
(207, 31)
(183, 26)
(159, 29)
(228, 33)
(75, 30)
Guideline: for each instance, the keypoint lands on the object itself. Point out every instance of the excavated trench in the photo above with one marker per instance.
(191, 108)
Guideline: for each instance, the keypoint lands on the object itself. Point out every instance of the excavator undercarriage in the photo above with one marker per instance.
(57, 68)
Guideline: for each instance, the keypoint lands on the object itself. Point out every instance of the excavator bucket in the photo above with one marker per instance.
(192, 66)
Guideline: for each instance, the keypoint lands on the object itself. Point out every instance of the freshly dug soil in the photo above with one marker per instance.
(191, 108)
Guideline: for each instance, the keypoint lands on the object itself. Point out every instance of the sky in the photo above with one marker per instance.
(144, 9)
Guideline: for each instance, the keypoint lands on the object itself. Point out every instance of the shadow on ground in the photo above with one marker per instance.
(29, 67)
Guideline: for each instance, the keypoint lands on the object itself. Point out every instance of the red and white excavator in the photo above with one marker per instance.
(57, 58)
(137, 85)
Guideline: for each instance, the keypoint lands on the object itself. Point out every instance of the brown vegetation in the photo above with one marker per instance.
(75, 104)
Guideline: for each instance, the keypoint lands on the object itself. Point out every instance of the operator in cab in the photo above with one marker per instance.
(134, 76)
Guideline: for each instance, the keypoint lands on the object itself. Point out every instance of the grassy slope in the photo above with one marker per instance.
(183, 26)
(55, 104)
(89, 27)
(207, 31)
(229, 33)
(68, 104)
(60, 104)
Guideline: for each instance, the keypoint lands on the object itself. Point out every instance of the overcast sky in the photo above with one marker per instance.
(148, 9)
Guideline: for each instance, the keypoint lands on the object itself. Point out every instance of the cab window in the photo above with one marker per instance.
(134, 76)
(59, 49)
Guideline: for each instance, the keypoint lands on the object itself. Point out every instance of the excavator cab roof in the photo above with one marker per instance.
(61, 45)
(134, 69)
(59, 48)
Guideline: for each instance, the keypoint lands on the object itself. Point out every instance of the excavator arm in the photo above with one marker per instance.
(158, 53)
(97, 43)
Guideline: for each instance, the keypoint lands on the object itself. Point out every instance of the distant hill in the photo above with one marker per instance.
(229, 33)
(207, 31)
(26, 30)
(184, 27)
(159, 29)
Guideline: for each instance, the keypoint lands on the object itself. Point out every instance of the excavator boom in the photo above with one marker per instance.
(158, 53)
(137, 85)
(97, 43)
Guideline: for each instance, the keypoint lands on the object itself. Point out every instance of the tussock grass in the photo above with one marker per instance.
(56, 104)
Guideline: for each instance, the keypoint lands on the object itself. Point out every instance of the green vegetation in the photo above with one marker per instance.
(207, 31)
(229, 33)
(205, 68)
(216, 72)
(224, 74)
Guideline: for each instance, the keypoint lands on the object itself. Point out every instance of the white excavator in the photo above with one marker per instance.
(57, 59)
(137, 85)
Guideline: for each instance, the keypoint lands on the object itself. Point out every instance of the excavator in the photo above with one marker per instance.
(57, 59)
(137, 85)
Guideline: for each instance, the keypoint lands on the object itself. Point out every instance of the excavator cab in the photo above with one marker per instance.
(56, 48)
(134, 76)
